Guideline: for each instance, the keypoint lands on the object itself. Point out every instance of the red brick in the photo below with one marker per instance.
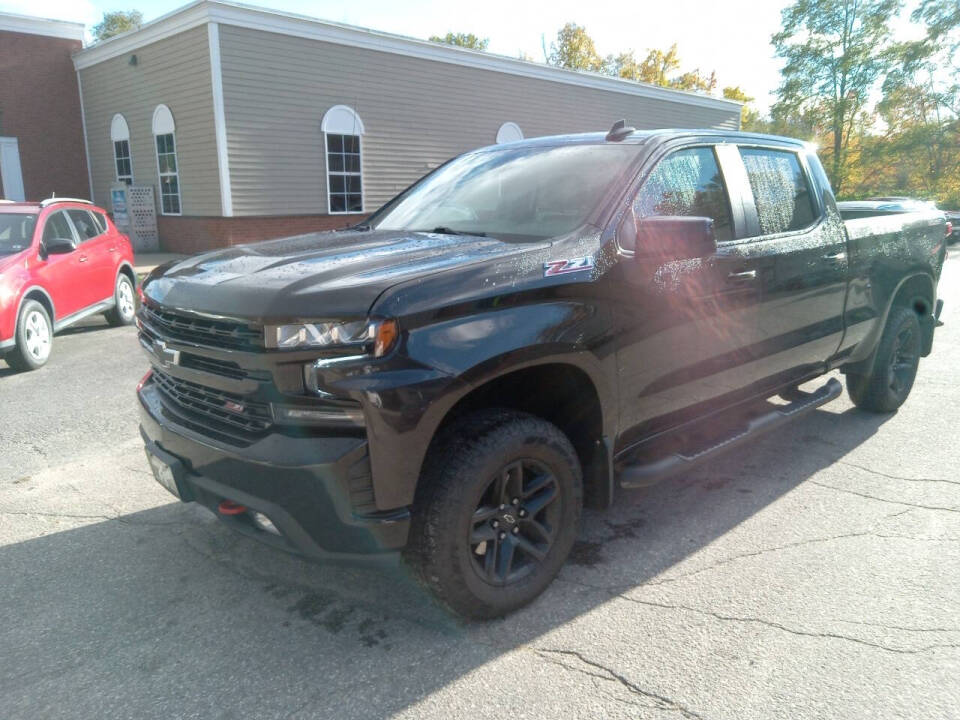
(194, 234)
(40, 106)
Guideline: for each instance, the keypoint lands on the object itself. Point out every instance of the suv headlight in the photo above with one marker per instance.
(374, 337)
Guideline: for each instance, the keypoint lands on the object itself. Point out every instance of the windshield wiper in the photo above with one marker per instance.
(443, 230)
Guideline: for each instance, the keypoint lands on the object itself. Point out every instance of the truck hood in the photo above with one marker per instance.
(319, 275)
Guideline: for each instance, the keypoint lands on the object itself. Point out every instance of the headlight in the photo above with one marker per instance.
(374, 337)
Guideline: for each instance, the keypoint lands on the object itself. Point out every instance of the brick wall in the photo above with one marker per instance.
(40, 106)
(194, 234)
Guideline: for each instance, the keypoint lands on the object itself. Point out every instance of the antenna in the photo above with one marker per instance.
(619, 131)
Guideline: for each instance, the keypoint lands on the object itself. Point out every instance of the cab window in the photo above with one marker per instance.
(686, 183)
(780, 190)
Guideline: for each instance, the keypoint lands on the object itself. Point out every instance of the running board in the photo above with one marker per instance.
(648, 473)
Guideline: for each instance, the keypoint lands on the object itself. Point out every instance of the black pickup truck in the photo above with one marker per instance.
(527, 329)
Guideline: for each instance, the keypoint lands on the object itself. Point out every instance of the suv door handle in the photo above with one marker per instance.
(745, 275)
(82, 258)
(836, 257)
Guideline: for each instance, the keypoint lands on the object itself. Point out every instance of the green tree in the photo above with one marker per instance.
(467, 40)
(835, 52)
(657, 68)
(749, 117)
(116, 22)
(574, 49)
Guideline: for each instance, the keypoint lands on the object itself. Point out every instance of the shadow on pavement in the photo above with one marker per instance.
(168, 613)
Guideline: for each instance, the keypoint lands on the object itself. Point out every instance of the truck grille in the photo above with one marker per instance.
(202, 331)
(226, 411)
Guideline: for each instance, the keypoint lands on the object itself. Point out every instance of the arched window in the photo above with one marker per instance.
(509, 132)
(342, 129)
(168, 170)
(122, 160)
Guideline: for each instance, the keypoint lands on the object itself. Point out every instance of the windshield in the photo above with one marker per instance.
(525, 192)
(16, 232)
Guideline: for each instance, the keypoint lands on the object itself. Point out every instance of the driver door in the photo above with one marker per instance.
(688, 326)
(60, 274)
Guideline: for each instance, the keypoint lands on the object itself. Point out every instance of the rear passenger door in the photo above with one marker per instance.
(801, 318)
(95, 254)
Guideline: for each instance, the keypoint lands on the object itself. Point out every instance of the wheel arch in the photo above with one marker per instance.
(558, 390)
(918, 291)
(35, 292)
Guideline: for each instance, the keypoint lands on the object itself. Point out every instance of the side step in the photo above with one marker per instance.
(689, 457)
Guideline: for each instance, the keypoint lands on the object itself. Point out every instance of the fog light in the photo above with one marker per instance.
(264, 523)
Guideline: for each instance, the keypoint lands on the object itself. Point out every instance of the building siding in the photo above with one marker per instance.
(417, 114)
(174, 71)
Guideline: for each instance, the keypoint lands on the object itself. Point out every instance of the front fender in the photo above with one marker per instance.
(407, 399)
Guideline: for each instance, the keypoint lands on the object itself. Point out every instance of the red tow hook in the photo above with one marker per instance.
(228, 507)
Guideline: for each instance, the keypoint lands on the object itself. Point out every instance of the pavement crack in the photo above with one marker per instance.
(884, 500)
(753, 553)
(605, 673)
(787, 629)
(897, 477)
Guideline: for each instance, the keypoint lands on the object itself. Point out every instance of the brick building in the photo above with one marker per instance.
(41, 124)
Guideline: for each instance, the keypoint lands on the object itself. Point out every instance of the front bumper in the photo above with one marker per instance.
(315, 490)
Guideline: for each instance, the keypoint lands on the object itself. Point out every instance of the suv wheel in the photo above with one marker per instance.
(34, 338)
(497, 512)
(894, 368)
(126, 306)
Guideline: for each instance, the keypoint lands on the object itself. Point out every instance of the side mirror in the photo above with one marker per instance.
(674, 237)
(58, 246)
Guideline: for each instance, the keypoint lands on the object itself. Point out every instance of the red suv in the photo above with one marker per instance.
(61, 260)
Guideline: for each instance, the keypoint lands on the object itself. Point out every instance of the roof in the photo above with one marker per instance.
(11, 22)
(202, 12)
(642, 136)
(7, 206)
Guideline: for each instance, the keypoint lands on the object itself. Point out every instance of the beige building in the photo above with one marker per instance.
(251, 123)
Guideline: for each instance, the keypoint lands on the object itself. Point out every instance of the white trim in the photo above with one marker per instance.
(163, 123)
(226, 13)
(342, 120)
(509, 132)
(86, 145)
(119, 130)
(219, 120)
(363, 185)
(11, 22)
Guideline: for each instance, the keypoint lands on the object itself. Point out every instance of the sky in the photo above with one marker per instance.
(731, 37)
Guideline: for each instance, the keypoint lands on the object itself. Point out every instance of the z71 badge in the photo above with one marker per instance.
(562, 267)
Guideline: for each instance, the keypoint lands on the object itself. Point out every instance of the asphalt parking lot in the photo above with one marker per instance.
(814, 575)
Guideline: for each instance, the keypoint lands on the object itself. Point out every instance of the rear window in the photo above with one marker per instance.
(780, 190)
(16, 232)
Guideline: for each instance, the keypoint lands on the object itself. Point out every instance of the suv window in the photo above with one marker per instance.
(780, 190)
(57, 227)
(687, 183)
(87, 227)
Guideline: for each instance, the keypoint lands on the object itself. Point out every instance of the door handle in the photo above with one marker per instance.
(82, 258)
(836, 257)
(745, 275)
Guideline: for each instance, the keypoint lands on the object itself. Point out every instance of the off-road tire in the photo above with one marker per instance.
(20, 357)
(460, 472)
(894, 367)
